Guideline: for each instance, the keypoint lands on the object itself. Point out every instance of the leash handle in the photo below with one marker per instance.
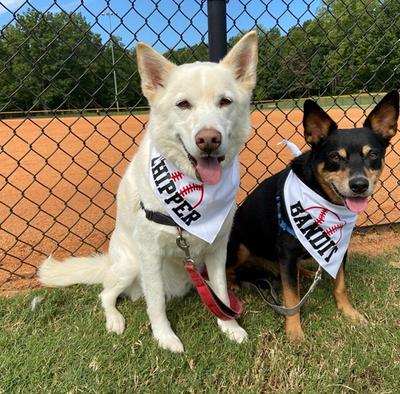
(213, 303)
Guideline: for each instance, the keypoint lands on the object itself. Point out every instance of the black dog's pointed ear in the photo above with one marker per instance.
(383, 118)
(317, 123)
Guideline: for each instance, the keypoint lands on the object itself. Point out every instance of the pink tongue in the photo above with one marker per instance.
(209, 169)
(357, 204)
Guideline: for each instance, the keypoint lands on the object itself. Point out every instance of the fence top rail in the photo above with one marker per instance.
(76, 110)
(146, 108)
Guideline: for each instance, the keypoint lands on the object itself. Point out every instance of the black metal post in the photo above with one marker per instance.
(216, 29)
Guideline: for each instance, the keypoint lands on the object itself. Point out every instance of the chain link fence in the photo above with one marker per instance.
(72, 114)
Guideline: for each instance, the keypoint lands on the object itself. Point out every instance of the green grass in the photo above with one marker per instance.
(356, 100)
(63, 347)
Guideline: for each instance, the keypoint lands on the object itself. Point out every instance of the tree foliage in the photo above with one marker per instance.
(54, 60)
(350, 46)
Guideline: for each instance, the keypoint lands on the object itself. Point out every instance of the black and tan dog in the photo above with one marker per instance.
(343, 167)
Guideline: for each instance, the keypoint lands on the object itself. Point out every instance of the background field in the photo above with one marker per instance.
(59, 177)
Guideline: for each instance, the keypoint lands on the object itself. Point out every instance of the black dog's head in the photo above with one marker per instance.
(348, 162)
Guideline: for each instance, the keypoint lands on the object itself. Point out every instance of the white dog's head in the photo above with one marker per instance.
(200, 112)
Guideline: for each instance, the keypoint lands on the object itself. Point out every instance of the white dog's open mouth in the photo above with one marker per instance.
(208, 168)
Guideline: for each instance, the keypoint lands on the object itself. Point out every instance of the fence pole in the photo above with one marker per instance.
(216, 29)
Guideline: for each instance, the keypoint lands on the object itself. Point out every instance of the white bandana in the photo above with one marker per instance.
(199, 208)
(324, 229)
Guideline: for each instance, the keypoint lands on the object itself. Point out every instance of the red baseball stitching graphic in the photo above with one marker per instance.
(189, 189)
(333, 229)
(320, 219)
(176, 176)
(192, 188)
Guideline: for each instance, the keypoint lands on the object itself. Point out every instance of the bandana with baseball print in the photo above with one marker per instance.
(324, 229)
(197, 207)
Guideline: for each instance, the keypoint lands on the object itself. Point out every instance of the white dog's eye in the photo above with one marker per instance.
(184, 104)
(224, 102)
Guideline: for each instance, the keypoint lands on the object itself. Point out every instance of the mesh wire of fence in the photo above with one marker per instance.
(72, 114)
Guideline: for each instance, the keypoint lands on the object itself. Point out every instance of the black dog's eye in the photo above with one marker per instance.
(373, 155)
(184, 104)
(224, 102)
(334, 156)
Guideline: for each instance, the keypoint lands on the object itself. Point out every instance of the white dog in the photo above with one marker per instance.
(199, 120)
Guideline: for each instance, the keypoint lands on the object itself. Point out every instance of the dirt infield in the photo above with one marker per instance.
(58, 178)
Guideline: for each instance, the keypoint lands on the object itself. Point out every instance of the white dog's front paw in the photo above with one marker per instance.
(170, 342)
(232, 329)
(115, 322)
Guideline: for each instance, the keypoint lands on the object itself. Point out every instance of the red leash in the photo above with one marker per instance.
(211, 300)
(213, 303)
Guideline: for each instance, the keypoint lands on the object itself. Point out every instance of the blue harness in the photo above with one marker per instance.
(282, 224)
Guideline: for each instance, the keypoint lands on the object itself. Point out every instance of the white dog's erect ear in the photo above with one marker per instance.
(153, 69)
(243, 58)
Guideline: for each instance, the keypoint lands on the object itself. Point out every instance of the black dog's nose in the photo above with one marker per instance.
(359, 185)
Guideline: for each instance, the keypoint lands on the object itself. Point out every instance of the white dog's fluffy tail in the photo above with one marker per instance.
(85, 270)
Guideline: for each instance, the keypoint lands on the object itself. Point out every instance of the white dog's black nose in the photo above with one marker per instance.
(359, 184)
(208, 140)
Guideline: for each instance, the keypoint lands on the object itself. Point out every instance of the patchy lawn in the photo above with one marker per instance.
(63, 347)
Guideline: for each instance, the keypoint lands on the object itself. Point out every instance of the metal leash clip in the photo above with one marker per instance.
(182, 244)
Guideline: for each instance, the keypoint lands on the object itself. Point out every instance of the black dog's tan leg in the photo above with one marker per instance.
(240, 258)
(291, 297)
(342, 300)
